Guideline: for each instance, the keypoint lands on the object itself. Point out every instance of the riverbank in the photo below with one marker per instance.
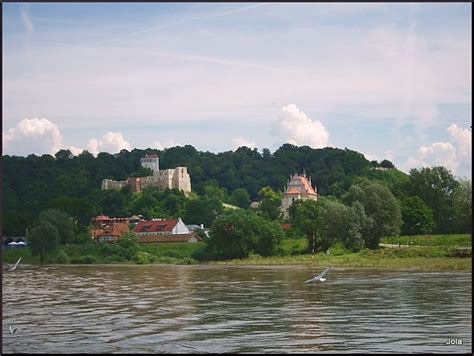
(358, 260)
(438, 252)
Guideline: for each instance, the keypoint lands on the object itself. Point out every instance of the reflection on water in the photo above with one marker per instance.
(190, 309)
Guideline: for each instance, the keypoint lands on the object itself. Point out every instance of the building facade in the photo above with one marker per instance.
(177, 178)
(299, 187)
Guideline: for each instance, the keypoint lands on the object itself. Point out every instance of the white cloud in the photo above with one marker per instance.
(165, 144)
(461, 138)
(111, 142)
(39, 136)
(436, 154)
(241, 141)
(295, 127)
(454, 155)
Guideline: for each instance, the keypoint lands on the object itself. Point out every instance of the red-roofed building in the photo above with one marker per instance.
(169, 238)
(111, 232)
(156, 230)
(298, 188)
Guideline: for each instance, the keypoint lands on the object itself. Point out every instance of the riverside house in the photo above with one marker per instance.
(159, 231)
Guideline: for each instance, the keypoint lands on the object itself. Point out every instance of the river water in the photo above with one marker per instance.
(199, 309)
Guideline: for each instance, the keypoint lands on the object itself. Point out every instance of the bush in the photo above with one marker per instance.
(61, 257)
(143, 258)
(87, 259)
(114, 258)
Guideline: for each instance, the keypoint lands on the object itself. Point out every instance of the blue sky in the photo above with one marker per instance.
(392, 81)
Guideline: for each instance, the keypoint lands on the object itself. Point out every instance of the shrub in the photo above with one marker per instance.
(142, 257)
(61, 257)
(87, 259)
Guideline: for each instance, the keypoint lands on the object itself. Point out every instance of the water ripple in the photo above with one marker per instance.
(199, 309)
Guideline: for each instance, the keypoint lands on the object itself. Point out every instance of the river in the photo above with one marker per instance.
(229, 309)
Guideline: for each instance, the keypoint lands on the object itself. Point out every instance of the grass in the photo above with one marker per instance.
(362, 259)
(463, 240)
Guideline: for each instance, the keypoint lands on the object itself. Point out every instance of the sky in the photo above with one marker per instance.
(392, 81)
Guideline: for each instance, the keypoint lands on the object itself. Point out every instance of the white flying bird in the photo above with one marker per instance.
(318, 278)
(12, 330)
(13, 267)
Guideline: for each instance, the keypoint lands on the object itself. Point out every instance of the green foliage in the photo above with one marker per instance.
(417, 217)
(202, 211)
(381, 208)
(61, 257)
(462, 206)
(326, 222)
(43, 240)
(87, 259)
(240, 197)
(435, 186)
(143, 257)
(270, 203)
(62, 222)
(386, 164)
(455, 240)
(72, 184)
(238, 233)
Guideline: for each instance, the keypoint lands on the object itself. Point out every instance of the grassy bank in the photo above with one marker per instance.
(463, 240)
(426, 252)
(379, 259)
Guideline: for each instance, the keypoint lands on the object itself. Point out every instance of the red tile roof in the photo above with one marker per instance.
(285, 226)
(307, 186)
(114, 229)
(155, 226)
(293, 190)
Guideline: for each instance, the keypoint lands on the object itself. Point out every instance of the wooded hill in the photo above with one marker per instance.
(73, 183)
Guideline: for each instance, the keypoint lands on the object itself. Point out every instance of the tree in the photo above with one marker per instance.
(270, 203)
(435, 186)
(328, 221)
(308, 216)
(380, 205)
(238, 233)
(240, 197)
(462, 207)
(62, 222)
(202, 210)
(43, 239)
(386, 164)
(344, 224)
(417, 217)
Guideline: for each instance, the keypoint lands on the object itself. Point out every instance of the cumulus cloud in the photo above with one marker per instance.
(241, 141)
(436, 154)
(461, 138)
(454, 155)
(295, 127)
(111, 142)
(39, 136)
(165, 144)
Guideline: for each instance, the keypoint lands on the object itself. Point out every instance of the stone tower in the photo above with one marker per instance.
(151, 161)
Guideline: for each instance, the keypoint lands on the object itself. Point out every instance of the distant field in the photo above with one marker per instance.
(463, 240)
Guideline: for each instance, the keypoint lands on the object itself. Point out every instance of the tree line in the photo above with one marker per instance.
(429, 200)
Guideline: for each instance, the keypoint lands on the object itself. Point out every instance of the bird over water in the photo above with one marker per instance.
(319, 278)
